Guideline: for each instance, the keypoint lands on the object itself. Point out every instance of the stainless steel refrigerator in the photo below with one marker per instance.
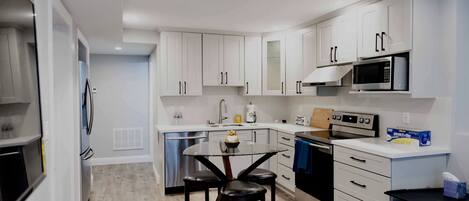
(86, 126)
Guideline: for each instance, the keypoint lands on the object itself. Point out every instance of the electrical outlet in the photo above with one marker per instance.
(406, 118)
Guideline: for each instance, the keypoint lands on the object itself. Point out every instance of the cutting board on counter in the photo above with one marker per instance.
(321, 118)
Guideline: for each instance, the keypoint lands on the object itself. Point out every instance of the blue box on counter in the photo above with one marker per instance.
(422, 136)
(456, 190)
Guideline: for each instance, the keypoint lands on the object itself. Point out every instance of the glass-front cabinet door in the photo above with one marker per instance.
(274, 65)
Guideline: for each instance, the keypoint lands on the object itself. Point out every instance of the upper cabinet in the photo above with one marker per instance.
(273, 65)
(385, 28)
(13, 72)
(223, 58)
(336, 40)
(252, 66)
(181, 64)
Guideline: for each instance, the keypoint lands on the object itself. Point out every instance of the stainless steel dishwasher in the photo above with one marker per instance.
(178, 166)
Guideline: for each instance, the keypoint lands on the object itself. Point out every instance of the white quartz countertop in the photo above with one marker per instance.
(18, 141)
(287, 128)
(382, 148)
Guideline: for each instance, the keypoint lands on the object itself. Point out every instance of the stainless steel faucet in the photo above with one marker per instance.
(220, 114)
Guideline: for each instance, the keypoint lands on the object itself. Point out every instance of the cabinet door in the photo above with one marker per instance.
(171, 64)
(239, 163)
(253, 66)
(324, 40)
(7, 90)
(192, 64)
(273, 66)
(369, 24)
(293, 62)
(397, 26)
(217, 137)
(273, 135)
(212, 59)
(345, 40)
(309, 58)
(233, 60)
(261, 137)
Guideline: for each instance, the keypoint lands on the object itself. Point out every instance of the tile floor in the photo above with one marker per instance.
(136, 182)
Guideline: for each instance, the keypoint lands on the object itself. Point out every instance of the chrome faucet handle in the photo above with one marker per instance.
(209, 122)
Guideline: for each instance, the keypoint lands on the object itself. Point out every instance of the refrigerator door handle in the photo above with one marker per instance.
(90, 94)
(88, 155)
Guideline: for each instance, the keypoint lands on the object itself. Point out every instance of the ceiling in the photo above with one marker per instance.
(103, 21)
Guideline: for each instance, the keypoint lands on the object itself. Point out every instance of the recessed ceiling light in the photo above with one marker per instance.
(118, 48)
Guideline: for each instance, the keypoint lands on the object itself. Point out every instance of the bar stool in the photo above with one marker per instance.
(262, 177)
(201, 180)
(237, 190)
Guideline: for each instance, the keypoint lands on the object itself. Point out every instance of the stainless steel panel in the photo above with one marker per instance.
(178, 166)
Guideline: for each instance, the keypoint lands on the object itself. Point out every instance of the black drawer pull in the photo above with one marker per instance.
(287, 139)
(286, 156)
(285, 177)
(358, 184)
(357, 159)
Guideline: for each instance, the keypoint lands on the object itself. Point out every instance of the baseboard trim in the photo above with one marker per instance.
(120, 160)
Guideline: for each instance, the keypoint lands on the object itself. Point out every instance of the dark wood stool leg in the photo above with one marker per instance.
(186, 192)
(207, 194)
(272, 191)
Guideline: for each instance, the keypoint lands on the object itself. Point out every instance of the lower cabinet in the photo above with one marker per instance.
(339, 196)
(286, 177)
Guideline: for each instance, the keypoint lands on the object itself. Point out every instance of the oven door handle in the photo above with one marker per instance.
(319, 146)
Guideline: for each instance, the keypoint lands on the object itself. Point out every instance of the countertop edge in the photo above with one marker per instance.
(19, 141)
(201, 128)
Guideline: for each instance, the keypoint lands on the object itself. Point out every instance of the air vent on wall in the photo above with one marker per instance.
(127, 139)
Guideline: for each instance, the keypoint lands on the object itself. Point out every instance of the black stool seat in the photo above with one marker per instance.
(242, 191)
(201, 180)
(202, 176)
(262, 177)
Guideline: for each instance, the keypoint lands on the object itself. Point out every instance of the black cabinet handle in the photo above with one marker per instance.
(285, 177)
(300, 90)
(358, 184)
(335, 53)
(357, 159)
(330, 55)
(282, 87)
(179, 87)
(287, 139)
(221, 77)
(185, 87)
(382, 41)
(247, 87)
(226, 77)
(376, 42)
(297, 84)
(286, 156)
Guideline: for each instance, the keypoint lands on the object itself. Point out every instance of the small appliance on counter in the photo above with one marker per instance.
(251, 116)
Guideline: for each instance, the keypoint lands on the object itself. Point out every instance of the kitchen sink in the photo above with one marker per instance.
(226, 125)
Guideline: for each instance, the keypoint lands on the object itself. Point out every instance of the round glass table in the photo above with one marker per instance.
(218, 149)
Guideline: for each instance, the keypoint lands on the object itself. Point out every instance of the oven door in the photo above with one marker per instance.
(317, 182)
(374, 74)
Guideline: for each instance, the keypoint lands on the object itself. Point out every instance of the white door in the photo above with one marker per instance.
(192, 64)
(309, 58)
(344, 37)
(397, 25)
(233, 60)
(171, 64)
(253, 66)
(369, 25)
(324, 40)
(293, 63)
(212, 59)
(261, 137)
(239, 163)
(273, 65)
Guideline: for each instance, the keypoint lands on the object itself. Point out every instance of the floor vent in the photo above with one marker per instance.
(128, 138)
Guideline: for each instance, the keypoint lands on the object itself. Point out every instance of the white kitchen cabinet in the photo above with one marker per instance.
(385, 28)
(309, 58)
(181, 64)
(273, 66)
(336, 40)
(261, 137)
(223, 60)
(294, 63)
(13, 88)
(253, 66)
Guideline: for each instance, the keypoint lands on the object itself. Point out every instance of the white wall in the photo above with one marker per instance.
(121, 101)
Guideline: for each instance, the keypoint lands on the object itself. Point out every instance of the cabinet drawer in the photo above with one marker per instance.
(361, 184)
(286, 157)
(339, 196)
(363, 160)
(286, 177)
(286, 139)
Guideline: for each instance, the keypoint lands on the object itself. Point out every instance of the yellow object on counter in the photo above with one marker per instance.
(238, 119)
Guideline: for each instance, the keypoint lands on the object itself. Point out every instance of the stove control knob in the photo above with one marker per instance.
(361, 120)
(367, 121)
(334, 117)
(339, 117)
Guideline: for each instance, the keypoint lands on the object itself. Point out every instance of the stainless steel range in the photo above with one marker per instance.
(314, 153)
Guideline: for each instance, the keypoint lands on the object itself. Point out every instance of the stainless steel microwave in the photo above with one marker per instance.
(381, 74)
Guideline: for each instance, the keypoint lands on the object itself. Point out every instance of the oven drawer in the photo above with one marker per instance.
(286, 139)
(286, 157)
(339, 196)
(363, 160)
(361, 184)
(286, 177)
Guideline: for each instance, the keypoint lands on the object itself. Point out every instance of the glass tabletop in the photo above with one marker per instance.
(220, 149)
